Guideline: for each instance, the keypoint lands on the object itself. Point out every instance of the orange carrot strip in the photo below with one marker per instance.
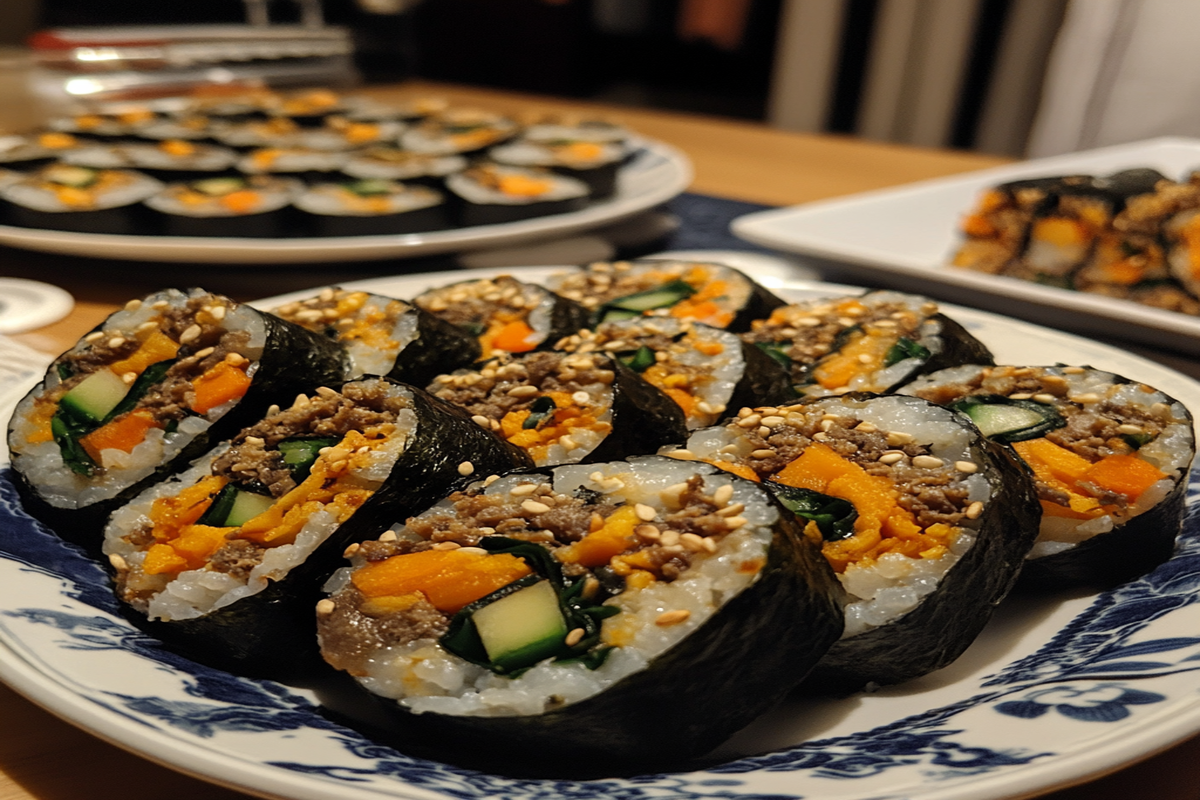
(157, 347)
(449, 578)
(161, 559)
(222, 383)
(513, 337)
(1126, 475)
(600, 546)
(123, 433)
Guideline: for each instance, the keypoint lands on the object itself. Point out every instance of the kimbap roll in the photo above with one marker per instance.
(924, 520)
(393, 164)
(225, 561)
(276, 132)
(505, 314)
(708, 372)
(339, 133)
(153, 387)
(458, 131)
(566, 408)
(1110, 458)
(633, 612)
(594, 163)
(713, 294)
(36, 150)
(253, 206)
(371, 207)
(490, 194)
(70, 198)
(868, 343)
(382, 335)
(179, 159)
(302, 162)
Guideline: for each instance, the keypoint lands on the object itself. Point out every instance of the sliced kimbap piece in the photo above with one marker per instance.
(490, 194)
(872, 342)
(225, 561)
(370, 109)
(372, 206)
(37, 150)
(565, 408)
(1110, 457)
(158, 383)
(458, 131)
(925, 521)
(394, 164)
(70, 198)
(713, 294)
(594, 163)
(189, 127)
(301, 162)
(339, 133)
(275, 132)
(505, 314)
(106, 124)
(708, 372)
(581, 618)
(308, 107)
(254, 206)
(179, 159)
(585, 130)
(382, 335)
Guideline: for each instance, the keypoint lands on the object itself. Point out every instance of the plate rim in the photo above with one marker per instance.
(39, 686)
(301, 251)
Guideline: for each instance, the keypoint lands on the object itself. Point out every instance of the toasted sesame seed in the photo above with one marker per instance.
(475, 551)
(235, 359)
(574, 637)
(865, 358)
(1085, 398)
(523, 391)
(974, 510)
(387, 536)
(927, 462)
(96, 336)
(710, 544)
(218, 312)
(524, 490)
(325, 607)
(580, 397)
(479, 419)
(1020, 396)
(966, 466)
(446, 546)
(193, 332)
(733, 509)
(647, 531)
(682, 455)
(750, 421)
(691, 541)
(762, 453)
(567, 443)
(133, 305)
(490, 479)
(644, 512)
(1129, 429)
(1073, 370)
(301, 401)
(534, 507)
(865, 427)
(117, 341)
(255, 441)
(723, 494)
(350, 550)
(1044, 397)
(273, 410)
(326, 392)
(590, 587)
(466, 468)
(669, 538)
(891, 457)
(896, 438)
(820, 436)
(733, 523)
(118, 563)
(674, 617)
(129, 377)
(828, 425)
(1160, 410)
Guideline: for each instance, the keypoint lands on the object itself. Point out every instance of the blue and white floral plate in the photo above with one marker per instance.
(1054, 691)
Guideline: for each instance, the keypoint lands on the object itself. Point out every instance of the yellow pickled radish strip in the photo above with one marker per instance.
(170, 514)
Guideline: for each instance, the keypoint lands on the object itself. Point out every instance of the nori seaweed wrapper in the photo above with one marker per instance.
(733, 667)
(293, 360)
(693, 290)
(272, 633)
(643, 418)
(485, 306)
(434, 345)
(812, 339)
(946, 622)
(1103, 414)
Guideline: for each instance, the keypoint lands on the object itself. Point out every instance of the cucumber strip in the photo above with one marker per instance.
(93, 398)
(542, 409)
(150, 376)
(1005, 420)
(661, 297)
(300, 454)
(522, 628)
(616, 315)
(640, 360)
(233, 506)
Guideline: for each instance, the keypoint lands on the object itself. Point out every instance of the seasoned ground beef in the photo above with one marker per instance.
(496, 389)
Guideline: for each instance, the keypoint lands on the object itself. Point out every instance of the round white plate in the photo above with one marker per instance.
(656, 173)
(1055, 690)
(25, 304)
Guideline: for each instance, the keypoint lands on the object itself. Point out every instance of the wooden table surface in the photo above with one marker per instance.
(44, 758)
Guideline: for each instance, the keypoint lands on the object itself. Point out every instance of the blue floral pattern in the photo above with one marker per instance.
(1082, 674)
